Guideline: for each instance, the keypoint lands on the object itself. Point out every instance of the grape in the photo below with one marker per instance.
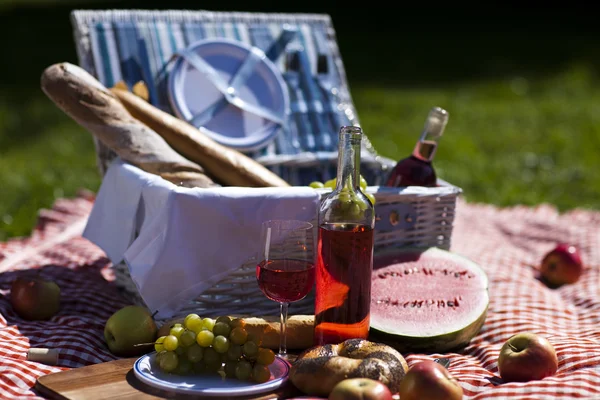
(243, 370)
(177, 325)
(159, 356)
(224, 319)
(250, 350)
(230, 368)
(234, 352)
(170, 343)
(194, 325)
(190, 317)
(260, 373)
(184, 366)
(221, 344)
(316, 185)
(199, 368)
(212, 359)
(330, 183)
(265, 356)
(238, 335)
(208, 324)
(363, 183)
(169, 361)
(187, 338)
(221, 328)
(205, 338)
(195, 353)
(158, 345)
(345, 196)
(180, 350)
(371, 198)
(177, 331)
(254, 337)
(237, 323)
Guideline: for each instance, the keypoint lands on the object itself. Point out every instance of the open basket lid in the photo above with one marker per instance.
(229, 90)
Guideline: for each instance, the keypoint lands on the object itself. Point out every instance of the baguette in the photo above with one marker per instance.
(95, 108)
(299, 332)
(228, 166)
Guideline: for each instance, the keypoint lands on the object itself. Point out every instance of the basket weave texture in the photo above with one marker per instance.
(132, 45)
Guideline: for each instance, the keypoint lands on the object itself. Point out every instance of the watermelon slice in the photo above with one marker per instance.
(427, 299)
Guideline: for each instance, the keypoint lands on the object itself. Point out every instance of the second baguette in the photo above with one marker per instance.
(299, 332)
(228, 166)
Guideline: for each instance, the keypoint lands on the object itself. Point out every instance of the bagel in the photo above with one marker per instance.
(317, 370)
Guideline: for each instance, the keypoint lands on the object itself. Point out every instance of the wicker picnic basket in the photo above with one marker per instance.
(408, 216)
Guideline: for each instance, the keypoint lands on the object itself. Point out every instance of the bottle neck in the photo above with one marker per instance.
(427, 144)
(348, 173)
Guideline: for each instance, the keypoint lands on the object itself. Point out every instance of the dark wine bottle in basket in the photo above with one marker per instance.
(417, 169)
(344, 251)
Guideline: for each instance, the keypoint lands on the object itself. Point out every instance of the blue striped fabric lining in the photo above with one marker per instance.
(135, 50)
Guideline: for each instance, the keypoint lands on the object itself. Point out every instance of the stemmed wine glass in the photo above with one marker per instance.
(286, 270)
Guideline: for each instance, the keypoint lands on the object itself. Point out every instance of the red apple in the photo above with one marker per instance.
(562, 265)
(34, 298)
(527, 357)
(360, 389)
(429, 380)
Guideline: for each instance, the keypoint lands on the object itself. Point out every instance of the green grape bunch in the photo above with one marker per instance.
(207, 345)
(331, 183)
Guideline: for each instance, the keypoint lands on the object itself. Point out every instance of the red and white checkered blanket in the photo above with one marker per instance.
(508, 243)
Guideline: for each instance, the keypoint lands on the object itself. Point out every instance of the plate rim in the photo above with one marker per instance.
(271, 127)
(242, 391)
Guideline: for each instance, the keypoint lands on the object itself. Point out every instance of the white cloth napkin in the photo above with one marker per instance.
(178, 242)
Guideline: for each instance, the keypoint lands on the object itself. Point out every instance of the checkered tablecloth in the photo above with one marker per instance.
(508, 243)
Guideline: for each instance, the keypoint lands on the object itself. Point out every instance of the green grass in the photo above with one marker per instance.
(508, 141)
(524, 105)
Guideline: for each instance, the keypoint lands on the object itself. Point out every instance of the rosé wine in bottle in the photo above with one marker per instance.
(417, 169)
(345, 251)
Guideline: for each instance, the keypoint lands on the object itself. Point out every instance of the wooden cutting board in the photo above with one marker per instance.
(115, 380)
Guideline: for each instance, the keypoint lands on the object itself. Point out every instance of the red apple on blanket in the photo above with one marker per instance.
(360, 389)
(527, 357)
(429, 380)
(562, 265)
(35, 298)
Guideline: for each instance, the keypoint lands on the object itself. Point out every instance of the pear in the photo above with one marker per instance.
(130, 331)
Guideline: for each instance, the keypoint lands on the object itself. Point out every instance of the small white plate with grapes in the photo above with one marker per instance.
(212, 358)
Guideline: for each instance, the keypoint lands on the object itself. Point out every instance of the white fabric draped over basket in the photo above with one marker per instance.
(178, 243)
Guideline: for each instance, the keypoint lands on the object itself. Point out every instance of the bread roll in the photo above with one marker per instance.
(317, 370)
(95, 108)
(228, 166)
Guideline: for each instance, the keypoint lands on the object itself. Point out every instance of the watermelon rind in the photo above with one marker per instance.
(443, 341)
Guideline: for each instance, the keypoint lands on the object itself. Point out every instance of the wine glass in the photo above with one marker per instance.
(286, 270)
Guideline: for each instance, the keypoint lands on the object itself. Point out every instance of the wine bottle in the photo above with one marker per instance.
(345, 250)
(417, 169)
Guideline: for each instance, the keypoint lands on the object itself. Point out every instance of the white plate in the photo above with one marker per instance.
(191, 92)
(146, 370)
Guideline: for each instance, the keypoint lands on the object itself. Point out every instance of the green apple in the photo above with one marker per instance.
(34, 298)
(129, 328)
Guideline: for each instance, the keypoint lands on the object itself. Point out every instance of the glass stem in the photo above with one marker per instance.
(283, 312)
